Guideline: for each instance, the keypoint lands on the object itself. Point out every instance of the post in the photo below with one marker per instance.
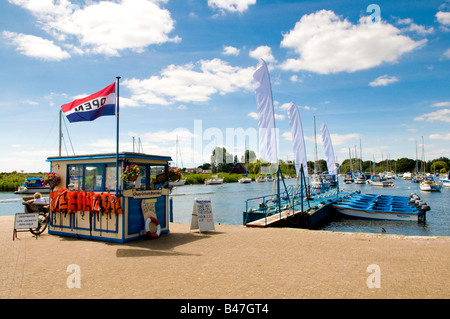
(60, 132)
(117, 136)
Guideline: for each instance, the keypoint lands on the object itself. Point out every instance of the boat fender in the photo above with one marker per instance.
(424, 208)
(147, 227)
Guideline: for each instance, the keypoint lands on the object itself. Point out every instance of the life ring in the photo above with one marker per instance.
(147, 227)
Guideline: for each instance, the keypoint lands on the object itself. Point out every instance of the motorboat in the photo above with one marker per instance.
(214, 180)
(407, 176)
(360, 179)
(33, 185)
(180, 182)
(429, 184)
(376, 180)
(245, 180)
(348, 179)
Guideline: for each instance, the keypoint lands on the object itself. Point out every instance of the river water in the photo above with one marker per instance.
(228, 204)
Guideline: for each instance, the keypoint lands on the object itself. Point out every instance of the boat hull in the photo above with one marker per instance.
(214, 182)
(378, 215)
(32, 190)
(181, 182)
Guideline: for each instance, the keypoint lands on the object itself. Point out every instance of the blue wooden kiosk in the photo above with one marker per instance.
(141, 200)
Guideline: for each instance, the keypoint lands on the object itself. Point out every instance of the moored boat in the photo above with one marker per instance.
(214, 180)
(244, 180)
(376, 180)
(429, 184)
(382, 207)
(33, 185)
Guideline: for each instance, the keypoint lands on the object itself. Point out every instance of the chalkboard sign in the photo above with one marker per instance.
(202, 216)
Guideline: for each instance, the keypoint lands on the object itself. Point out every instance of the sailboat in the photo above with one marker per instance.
(428, 183)
(180, 182)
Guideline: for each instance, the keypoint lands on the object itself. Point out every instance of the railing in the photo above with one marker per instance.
(268, 204)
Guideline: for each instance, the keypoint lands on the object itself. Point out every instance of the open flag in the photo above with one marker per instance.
(95, 105)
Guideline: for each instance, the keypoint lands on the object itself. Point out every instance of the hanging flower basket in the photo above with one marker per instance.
(131, 173)
(51, 179)
(132, 178)
(175, 174)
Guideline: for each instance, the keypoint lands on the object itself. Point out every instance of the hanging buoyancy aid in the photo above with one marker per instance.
(63, 201)
(105, 203)
(88, 200)
(55, 199)
(81, 201)
(117, 205)
(72, 202)
(114, 204)
(97, 202)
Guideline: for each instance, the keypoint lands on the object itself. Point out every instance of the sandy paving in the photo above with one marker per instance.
(232, 262)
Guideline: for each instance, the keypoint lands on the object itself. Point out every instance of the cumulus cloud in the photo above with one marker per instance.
(326, 43)
(443, 17)
(231, 5)
(383, 80)
(441, 104)
(445, 137)
(441, 115)
(104, 27)
(263, 52)
(36, 47)
(190, 83)
(229, 50)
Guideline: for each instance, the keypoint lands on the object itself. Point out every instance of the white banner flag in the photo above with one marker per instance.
(266, 118)
(328, 147)
(298, 140)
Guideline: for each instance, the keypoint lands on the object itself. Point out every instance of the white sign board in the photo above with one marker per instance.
(26, 220)
(202, 216)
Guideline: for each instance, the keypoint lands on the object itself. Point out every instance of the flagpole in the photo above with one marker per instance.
(117, 136)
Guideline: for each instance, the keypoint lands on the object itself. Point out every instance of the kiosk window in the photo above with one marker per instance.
(75, 177)
(110, 180)
(94, 176)
(142, 179)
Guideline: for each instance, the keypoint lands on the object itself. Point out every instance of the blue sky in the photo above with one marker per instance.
(186, 71)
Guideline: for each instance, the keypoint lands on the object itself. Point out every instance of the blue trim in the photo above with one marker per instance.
(111, 156)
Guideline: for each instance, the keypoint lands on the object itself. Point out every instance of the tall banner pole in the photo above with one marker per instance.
(117, 136)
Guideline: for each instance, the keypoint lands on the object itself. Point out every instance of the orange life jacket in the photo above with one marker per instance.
(72, 201)
(88, 201)
(97, 203)
(105, 203)
(80, 201)
(117, 206)
(59, 201)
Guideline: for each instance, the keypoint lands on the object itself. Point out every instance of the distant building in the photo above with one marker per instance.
(239, 168)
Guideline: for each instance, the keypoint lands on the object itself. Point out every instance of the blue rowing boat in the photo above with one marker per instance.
(382, 207)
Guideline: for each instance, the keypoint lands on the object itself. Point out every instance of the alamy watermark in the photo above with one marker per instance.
(74, 279)
(374, 279)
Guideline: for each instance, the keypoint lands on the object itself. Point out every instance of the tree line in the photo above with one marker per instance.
(224, 162)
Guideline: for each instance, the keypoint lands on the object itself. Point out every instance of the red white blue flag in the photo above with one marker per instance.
(93, 106)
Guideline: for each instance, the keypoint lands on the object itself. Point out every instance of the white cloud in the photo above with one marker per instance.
(440, 137)
(447, 54)
(326, 43)
(441, 104)
(253, 115)
(263, 52)
(36, 47)
(443, 17)
(294, 78)
(190, 83)
(104, 27)
(441, 115)
(229, 50)
(419, 29)
(231, 5)
(384, 80)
